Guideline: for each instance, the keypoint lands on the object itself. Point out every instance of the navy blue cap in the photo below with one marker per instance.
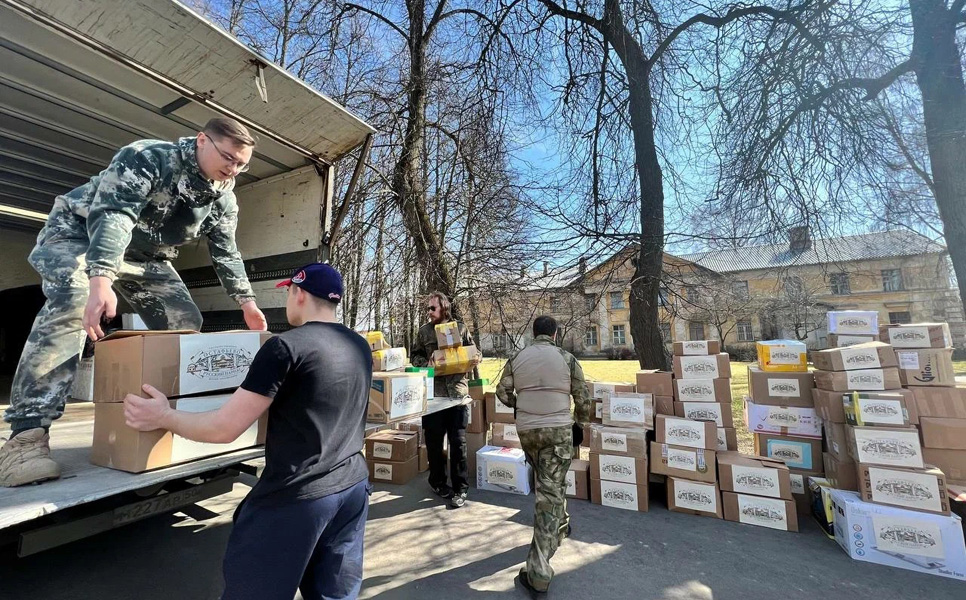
(318, 279)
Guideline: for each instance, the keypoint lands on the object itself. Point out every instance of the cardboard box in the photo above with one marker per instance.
(854, 322)
(455, 361)
(779, 356)
(578, 479)
(118, 446)
(412, 424)
(448, 335)
(628, 409)
(693, 497)
(474, 441)
(176, 363)
(625, 469)
(390, 359)
(829, 406)
(476, 387)
(696, 347)
(943, 432)
(837, 441)
(598, 416)
(780, 389)
(496, 411)
(926, 367)
(718, 413)
(423, 459)
(397, 473)
(898, 537)
(626, 496)
(727, 438)
(940, 402)
(657, 383)
(663, 405)
(917, 335)
(871, 355)
(502, 470)
(841, 473)
(614, 440)
(696, 464)
(389, 445)
(585, 443)
(915, 489)
(684, 432)
(862, 380)
(702, 390)
(804, 454)
(782, 420)
(603, 389)
(711, 366)
(375, 339)
(950, 462)
(429, 373)
(875, 408)
(803, 492)
(477, 421)
(396, 396)
(886, 446)
(773, 513)
(839, 340)
(754, 475)
(505, 435)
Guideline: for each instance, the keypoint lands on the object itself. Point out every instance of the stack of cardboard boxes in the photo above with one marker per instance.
(702, 387)
(197, 371)
(453, 357)
(398, 391)
(851, 327)
(756, 491)
(498, 462)
(393, 456)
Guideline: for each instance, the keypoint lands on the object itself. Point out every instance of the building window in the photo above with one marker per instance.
(617, 299)
(556, 305)
(666, 332)
(500, 341)
(662, 295)
(745, 331)
(696, 331)
(891, 280)
(741, 290)
(691, 293)
(590, 336)
(900, 318)
(839, 282)
(590, 303)
(620, 335)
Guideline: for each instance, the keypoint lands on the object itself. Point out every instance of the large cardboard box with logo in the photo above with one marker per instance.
(390, 359)
(782, 356)
(616, 494)
(926, 367)
(864, 380)
(396, 446)
(627, 409)
(899, 537)
(602, 389)
(917, 335)
(396, 396)
(696, 464)
(118, 446)
(496, 411)
(611, 467)
(844, 340)
(853, 322)
(718, 413)
(658, 383)
(696, 347)
(387, 471)
(616, 440)
(754, 475)
(505, 434)
(782, 420)
(693, 497)
(774, 513)
(685, 432)
(176, 363)
(831, 405)
(780, 389)
(871, 355)
(702, 390)
(876, 408)
(578, 480)
(502, 470)
(885, 446)
(711, 366)
(915, 489)
(804, 454)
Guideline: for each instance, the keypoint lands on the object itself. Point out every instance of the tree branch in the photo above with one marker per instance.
(442, 16)
(573, 15)
(395, 27)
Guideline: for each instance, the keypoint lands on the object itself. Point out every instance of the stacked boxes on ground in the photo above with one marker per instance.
(757, 491)
(393, 456)
(495, 457)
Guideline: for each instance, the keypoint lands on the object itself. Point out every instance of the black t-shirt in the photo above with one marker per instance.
(318, 376)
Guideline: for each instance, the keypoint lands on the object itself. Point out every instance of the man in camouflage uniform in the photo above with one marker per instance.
(450, 423)
(538, 383)
(120, 232)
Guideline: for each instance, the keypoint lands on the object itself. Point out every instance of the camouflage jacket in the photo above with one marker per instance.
(452, 386)
(506, 393)
(151, 199)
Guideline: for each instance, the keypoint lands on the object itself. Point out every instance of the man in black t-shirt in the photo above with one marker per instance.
(302, 525)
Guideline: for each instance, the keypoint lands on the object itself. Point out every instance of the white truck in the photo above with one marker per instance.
(81, 79)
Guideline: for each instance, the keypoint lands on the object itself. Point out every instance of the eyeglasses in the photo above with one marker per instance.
(431, 308)
(238, 165)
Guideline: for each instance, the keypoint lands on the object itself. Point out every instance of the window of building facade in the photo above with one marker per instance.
(745, 331)
(556, 304)
(617, 299)
(891, 280)
(691, 293)
(839, 282)
(741, 290)
(900, 318)
(500, 341)
(590, 303)
(696, 331)
(590, 336)
(619, 335)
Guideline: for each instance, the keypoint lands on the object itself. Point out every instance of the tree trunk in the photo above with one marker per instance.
(939, 74)
(379, 276)
(358, 254)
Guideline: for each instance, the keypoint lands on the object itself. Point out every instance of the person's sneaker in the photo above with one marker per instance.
(458, 500)
(443, 491)
(25, 458)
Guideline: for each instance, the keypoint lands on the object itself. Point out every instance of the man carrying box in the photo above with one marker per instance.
(451, 422)
(120, 232)
(302, 525)
(539, 382)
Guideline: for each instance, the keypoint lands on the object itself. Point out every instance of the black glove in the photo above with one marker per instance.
(578, 430)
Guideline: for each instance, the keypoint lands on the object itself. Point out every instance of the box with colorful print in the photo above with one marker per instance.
(658, 383)
(392, 445)
(871, 355)
(875, 408)
(693, 497)
(853, 322)
(718, 413)
(782, 420)
(782, 356)
(616, 440)
(684, 432)
(711, 366)
(396, 396)
(385, 471)
(754, 475)
(628, 409)
(774, 513)
(917, 335)
(611, 467)
(696, 347)
(926, 367)
(915, 489)
(496, 411)
(615, 494)
(800, 453)
(780, 389)
(696, 464)
(702, 390)
(502, 470)
(578, 480)
(885, 446)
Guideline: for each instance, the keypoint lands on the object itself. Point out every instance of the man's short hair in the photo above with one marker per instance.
(544, 325)
(446, 309)
(225, 127)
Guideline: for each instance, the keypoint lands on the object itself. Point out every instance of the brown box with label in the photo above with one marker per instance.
(396, 396)
(628, 409)
(685, 432)
(477, 417)
(696, 347)
(618, 440)
(396, 446)
(886, 446)
(718, 413)
(693, 497)
(611, 467)
(578, 480)
(505, 435)
(748, 509)
(496, 411)
(663, 405)
(926, 367)
(384, 471)
(876, 409)
(943, 432)
(844, 340)
(696, 464)
(658, 383)
(940, 402)
(916, 335)
(727, 438)
(950, 462)
(601, 389)
(871, 355)
(702, 390)
(863, 380)
(754, 475)
(616, 494)
(840, 472)
(803, 454)
(831, 406)
(915, 489)
(711, 366)
(837, 441)
(448, 335)
(780, 388)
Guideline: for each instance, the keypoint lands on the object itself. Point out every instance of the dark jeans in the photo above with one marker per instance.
(314, 546)
(452, 424)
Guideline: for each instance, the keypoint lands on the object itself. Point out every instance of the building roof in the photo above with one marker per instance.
(869, 246)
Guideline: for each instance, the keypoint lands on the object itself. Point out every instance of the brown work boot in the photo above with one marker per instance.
(26, 459)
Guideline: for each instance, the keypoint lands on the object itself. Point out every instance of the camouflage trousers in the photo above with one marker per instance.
(46, 369)
(549, 451)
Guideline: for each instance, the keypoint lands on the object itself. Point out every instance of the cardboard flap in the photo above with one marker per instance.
(126, 333)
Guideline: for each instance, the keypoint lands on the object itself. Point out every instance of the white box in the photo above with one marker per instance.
(853, 322)
(898, 537)
(782, 420)
(502, 470)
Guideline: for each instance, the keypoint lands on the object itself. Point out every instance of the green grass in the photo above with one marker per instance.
(959, 367)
